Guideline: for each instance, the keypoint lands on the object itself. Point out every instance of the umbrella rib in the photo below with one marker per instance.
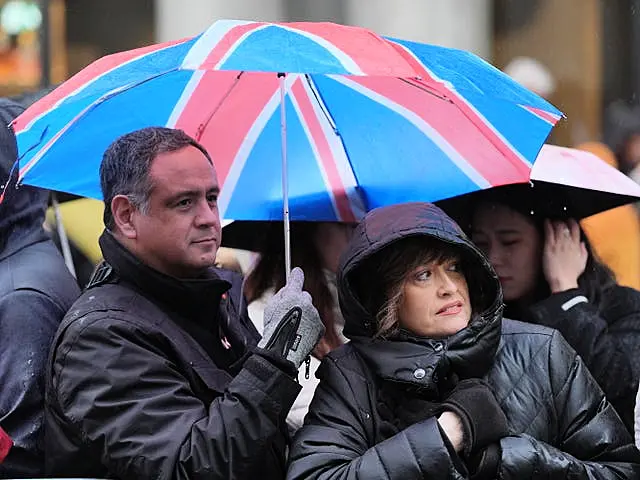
(502, 148)
(203, 125)
(426, 89)
(323, 107)
(318, 96)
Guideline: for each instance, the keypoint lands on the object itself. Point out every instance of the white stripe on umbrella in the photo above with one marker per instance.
(485, 126)
(183, 101)
(84, 86)
(237, 165)
(337, 154)
(448, 149)
(330, 188)
(207, 42)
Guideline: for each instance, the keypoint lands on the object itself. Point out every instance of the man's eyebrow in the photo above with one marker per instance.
(191, 194)
(181, 194)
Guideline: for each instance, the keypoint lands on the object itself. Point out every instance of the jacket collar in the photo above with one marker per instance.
(430, 364)
(194, 298)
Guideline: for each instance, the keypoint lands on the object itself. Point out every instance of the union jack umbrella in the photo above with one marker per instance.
(361, 120)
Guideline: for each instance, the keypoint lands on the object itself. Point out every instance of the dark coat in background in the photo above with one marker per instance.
(36, 290)
(606, 336)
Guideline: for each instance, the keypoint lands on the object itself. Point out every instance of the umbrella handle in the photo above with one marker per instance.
(285, 179)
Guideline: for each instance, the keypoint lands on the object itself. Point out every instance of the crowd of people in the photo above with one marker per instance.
(416, 343)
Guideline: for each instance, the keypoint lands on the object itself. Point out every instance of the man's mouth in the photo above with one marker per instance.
(450, 309)
(206, 240)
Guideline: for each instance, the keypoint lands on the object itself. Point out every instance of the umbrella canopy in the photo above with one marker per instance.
(370, 120)
(564, 183)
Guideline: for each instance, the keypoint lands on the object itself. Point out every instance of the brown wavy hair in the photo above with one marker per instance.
(379, 282)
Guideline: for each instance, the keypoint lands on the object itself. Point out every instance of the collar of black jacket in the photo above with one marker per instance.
(433, 365)
(192, 297)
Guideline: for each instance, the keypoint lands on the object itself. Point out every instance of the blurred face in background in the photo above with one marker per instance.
(331, 239)
(513, 245)
(631, 157)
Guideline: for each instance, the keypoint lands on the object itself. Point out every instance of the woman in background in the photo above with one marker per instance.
(550, 276)
(316, 248)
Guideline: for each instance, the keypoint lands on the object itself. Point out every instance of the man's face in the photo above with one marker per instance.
(180, 233)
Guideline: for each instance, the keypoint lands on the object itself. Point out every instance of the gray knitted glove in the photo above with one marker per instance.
(292, 326)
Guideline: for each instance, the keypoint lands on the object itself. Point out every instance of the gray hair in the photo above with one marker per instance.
(127, 162)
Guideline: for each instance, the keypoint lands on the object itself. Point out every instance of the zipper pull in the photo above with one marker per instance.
(307, 367)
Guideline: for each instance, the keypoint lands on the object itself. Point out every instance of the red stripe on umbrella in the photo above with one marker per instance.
(325, 156)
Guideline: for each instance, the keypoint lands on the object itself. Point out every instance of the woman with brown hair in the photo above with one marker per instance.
(316, 248)
(435, 384)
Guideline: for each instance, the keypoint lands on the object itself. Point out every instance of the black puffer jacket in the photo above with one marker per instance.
(153, 377)
(560, 424)
(605, 335)
(36, 289)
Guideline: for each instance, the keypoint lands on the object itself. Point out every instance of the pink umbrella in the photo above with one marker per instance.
(577, 168)
(564, 182)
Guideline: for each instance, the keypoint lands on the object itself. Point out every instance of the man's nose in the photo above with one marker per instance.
(207, 214)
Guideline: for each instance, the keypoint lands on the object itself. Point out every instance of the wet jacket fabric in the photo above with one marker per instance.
(560, 424)
(606, 336)
(36, 290)
(154, 377)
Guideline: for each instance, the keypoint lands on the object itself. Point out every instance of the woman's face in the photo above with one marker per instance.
(435, 300)
(513, 245)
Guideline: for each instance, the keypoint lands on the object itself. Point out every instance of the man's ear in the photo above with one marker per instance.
(123, 212)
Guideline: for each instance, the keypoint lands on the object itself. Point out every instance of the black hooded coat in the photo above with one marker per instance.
(36, 290)
(560, 424)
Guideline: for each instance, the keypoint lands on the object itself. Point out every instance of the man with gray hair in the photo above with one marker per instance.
(157, 371)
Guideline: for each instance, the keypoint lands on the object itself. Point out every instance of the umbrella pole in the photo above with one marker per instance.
(285, 180)
(62, 235)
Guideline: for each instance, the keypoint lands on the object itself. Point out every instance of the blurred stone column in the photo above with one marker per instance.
(464, 24)
(177, 19)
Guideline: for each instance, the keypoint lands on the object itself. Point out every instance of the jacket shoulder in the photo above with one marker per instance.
(526, 344)
(110, 302)
(620, 301)
(39, 267)
(516, 327)
(346, 359)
